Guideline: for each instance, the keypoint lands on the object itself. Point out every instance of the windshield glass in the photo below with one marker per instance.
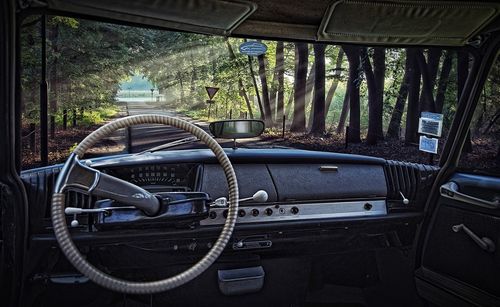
(394, 103)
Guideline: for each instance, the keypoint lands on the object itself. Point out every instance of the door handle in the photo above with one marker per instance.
(485, 243)
(450, 190)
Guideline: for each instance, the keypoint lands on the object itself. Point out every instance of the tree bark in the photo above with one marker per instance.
(336, 76)
(301, 60)
(265, 90)
(280, 62)
(318, 119)
(353, 56)
(397, 112)
(413, 98)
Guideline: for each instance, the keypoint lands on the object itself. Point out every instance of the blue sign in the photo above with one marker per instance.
(253, 48)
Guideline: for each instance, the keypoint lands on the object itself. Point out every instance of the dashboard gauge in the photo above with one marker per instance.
(163, 175)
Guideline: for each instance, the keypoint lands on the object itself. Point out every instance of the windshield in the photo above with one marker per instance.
(352, 99)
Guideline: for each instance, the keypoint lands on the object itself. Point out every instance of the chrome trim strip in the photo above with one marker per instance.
(306, 211)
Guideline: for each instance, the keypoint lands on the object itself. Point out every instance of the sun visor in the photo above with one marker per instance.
(204, 16)
(405, 22)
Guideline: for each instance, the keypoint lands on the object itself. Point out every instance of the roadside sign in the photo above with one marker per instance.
(211, 91)
(429, 145)
(253, 48)
(430, 124)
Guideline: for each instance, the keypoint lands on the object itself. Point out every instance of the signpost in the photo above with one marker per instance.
(211, 91)
(430, 124)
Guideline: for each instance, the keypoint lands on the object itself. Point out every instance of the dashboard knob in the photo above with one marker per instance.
(255, 212)
(241, 213)
(268, 211)
(294, 210)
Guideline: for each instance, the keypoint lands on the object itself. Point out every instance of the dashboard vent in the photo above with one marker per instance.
(39, 186)
(411, 179)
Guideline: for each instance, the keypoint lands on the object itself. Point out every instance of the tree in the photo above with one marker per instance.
(397, 112)
(301, 60)
(240, 81)
(265, 90)
(318, 118)
(337, 72)
(413, 97)
(353, 56)
(375, 81)
(280, 63)
(444, 78)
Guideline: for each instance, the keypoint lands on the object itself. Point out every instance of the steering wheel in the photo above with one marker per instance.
(77, 175)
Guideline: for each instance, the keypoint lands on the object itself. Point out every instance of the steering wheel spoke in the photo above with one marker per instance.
(76, 175)
(81, 177)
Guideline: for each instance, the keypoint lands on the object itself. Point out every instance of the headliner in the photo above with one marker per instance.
(391, 22)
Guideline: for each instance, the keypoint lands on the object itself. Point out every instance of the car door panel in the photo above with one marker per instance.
(452, 258)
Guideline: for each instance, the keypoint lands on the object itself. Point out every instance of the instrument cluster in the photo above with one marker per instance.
(160, 178)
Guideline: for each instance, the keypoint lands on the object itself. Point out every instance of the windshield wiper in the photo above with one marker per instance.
(184, 141)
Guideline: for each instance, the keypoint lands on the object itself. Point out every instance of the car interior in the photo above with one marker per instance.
(232, 225)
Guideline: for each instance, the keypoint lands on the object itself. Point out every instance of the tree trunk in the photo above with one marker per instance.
(397, 112)
(65, 119)
(242, 89)
(428, 71)
(318, 119)
(309, 94)
(353, 56)
(265, 90)
(336, 76)
(261, 109)
(343, 114)
(280, 62)
(371, 137)
(53, 37)
(413, 98)
(301, 60)
(444, 78)
(379, 74)
(73, 118)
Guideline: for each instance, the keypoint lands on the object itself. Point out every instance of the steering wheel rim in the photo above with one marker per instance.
(74, 256)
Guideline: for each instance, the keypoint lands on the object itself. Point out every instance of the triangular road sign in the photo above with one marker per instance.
(211, 91)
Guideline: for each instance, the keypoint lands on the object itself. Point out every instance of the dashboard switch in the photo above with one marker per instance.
(241, 213)
(294, 210)
(255, 212)
(268, 211)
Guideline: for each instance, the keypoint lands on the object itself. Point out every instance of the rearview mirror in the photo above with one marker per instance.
(237, 128)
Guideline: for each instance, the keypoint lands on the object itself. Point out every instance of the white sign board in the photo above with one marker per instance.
(430, 124)
(428, 144)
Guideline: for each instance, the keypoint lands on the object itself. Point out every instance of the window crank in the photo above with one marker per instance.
(485, 243)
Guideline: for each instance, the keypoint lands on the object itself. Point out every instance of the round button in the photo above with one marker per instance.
(212, 214)
(368, 206)
(241, 213)
(294, 210)
(255, 212)
(268, 211)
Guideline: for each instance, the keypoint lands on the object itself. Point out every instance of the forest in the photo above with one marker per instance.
(358, 94)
